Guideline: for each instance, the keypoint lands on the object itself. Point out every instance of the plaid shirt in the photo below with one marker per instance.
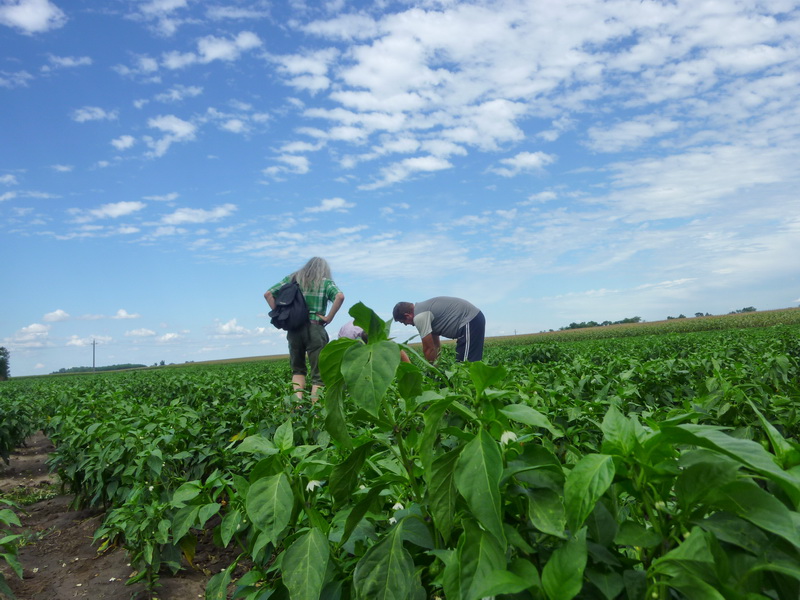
(316, 299)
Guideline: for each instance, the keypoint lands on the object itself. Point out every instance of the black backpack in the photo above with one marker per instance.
(291, 311)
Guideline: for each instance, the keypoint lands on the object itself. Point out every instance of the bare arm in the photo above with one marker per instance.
(270, 299)
(430, 347)
(337, 304)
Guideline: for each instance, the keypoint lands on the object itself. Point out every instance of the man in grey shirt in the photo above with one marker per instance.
(449, 317)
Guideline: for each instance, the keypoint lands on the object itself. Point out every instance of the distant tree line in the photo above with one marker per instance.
(604, 323)
(90, 369)
(746, 309)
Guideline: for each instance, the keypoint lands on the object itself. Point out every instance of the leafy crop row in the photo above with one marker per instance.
(657, 466)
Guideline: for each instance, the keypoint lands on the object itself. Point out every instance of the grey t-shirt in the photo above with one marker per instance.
(443, 315)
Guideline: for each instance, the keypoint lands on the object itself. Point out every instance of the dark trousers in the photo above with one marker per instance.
(469, 345)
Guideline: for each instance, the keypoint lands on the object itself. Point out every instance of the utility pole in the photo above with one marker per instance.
(94, 343)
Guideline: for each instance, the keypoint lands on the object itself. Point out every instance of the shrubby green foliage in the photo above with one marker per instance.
(658, 466)
(5, 371)
(8, 544)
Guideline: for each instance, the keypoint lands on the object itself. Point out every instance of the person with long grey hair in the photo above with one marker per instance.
(319, 289)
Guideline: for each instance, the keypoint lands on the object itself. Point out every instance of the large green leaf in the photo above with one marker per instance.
(284, 436)
(786, 453)
(344, 477)
(756, 505)
(631, 533)
(183, 521)
(335, 422)
(703, 471)
(304, 565)
(269, 505)
(484, 375)
(562, 576)
(522, 413)
(360, 510)
(386, 571)
(585, 484)
(409, 381)
(231, 523)
(368, 371)
(731, 529)
(480, 558)
(546, 511)
(690, 566)
(690, 554)
(747, 452)
(257, 444)
(432, 418)
(619, 433)
(330, 361)
(610, 583)
(478, 473)
(442, 492)
(376, 329)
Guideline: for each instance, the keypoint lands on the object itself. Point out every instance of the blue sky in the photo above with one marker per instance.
(163, 162)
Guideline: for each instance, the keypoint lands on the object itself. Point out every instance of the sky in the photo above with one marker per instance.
(164, 162)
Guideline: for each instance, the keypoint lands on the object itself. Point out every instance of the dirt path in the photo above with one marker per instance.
(59, 560)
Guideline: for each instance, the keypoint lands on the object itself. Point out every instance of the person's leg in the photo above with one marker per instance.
(469, 345)
(318, 338)
(298, 341)
(299, 384)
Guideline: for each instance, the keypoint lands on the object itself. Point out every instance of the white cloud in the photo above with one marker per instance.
(231, 329)
(124, 314)
(629, 134)
(294, 164)
(31, 16)
(174, 126)
(13, 80)
(169, 338)
(62, 168)
(123, 142)
(331, 204)
(76, 340)
(117, 209)
(308, 71)
(179, 92)
(219, 13)
(176, 130)
(345, 27)
(93, 113)
(140, 333)
(8, 179)
(165, 198)
(211, 48)
(199, 215)
(161, 7)
(56, 316)
(234, 126)
(404, 169)
(67, 62)
(32, 336)
(523, 162)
